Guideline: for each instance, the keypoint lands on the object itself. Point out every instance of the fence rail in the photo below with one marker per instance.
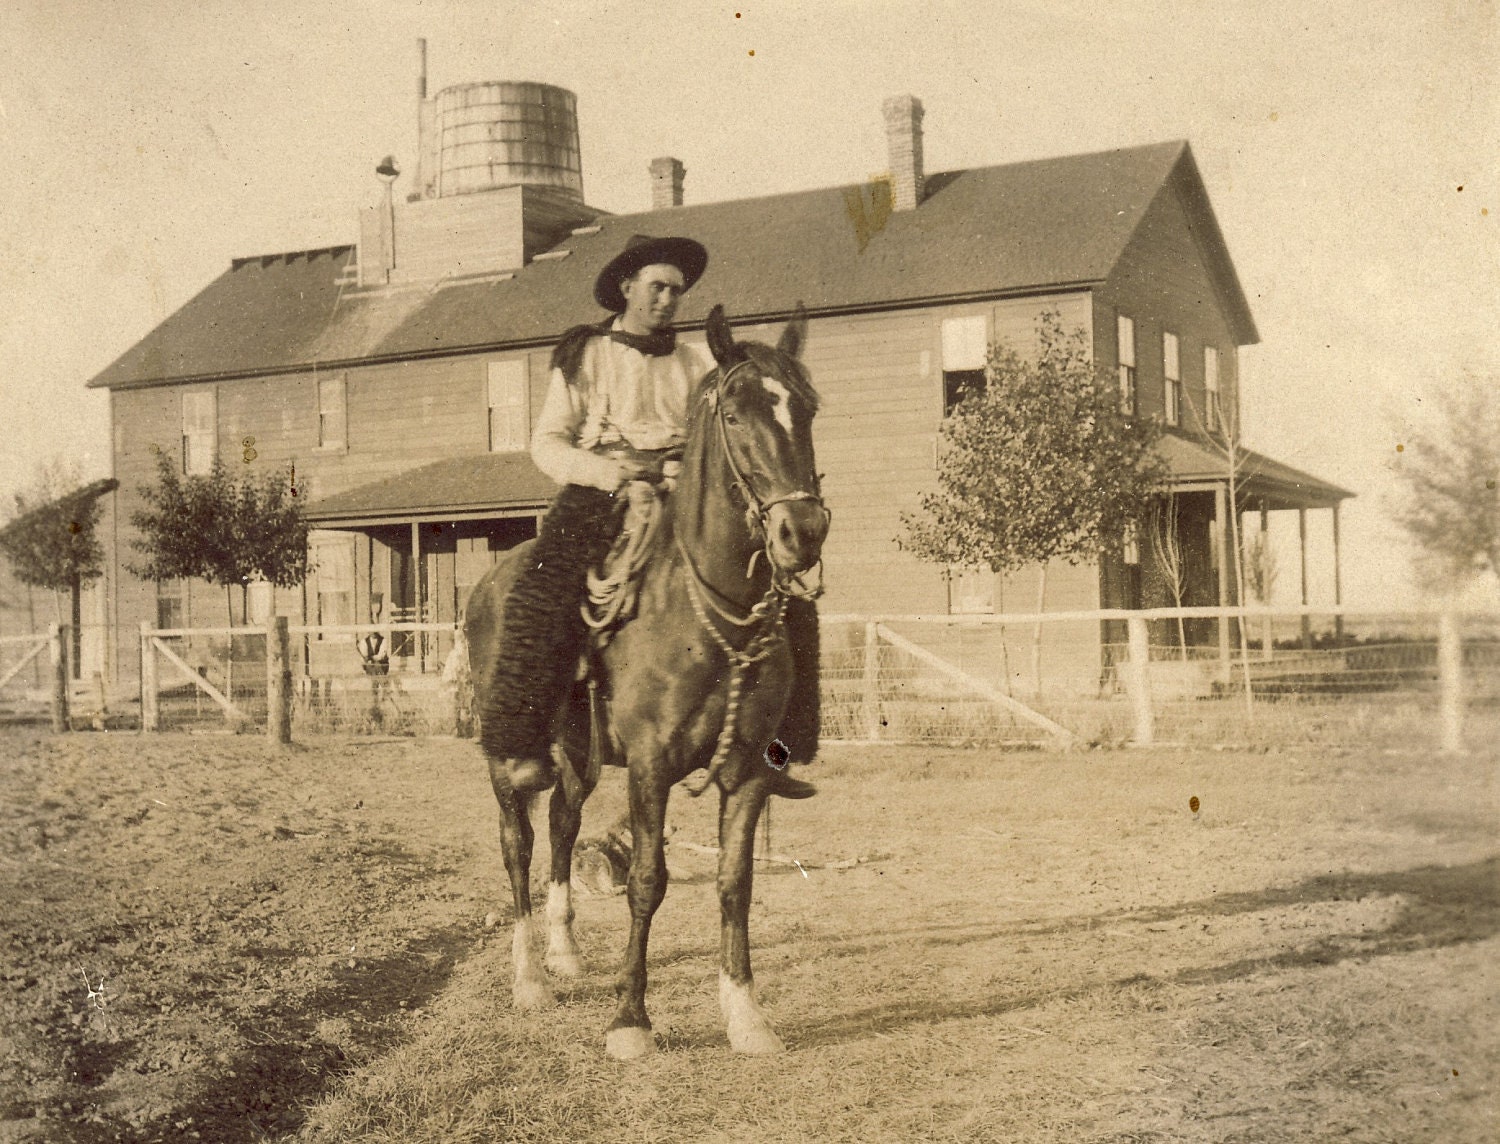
(1159, 676)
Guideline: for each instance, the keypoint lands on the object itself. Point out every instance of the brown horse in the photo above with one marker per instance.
(698, 679)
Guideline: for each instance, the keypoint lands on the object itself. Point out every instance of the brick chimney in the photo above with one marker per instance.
(666, 182)
(903, 137)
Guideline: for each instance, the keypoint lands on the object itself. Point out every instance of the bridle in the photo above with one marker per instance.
(761, 626)
(757, 510)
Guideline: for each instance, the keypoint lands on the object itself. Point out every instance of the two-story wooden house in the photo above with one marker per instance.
(401, 376)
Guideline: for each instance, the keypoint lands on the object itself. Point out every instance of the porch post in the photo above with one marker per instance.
(1338, 588)
(1302, 548)
(1266, 635)
(418, 638)
(1221, 514)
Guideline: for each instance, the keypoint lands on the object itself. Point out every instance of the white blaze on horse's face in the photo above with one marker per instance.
(781, 402)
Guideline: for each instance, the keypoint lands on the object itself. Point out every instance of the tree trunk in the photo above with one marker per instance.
(1036, 631)
(75, 588)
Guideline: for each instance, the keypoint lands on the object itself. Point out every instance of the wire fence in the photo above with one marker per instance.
(1202, 677)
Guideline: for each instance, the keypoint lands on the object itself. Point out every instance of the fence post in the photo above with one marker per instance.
(870, 694)
(1138, 682)
(57, 644)
(150, 713)
(1451, 680)
(278, 682)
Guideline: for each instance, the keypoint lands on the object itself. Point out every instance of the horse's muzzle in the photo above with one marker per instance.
(794, 534)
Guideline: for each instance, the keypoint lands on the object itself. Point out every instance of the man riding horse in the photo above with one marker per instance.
(614, 416)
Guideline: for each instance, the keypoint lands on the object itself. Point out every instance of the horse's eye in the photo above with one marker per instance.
(731, 419)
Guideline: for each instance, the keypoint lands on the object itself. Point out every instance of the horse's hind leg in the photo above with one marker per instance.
(529, 990)
(749, 1029)
(564, 818)
(629, 1034)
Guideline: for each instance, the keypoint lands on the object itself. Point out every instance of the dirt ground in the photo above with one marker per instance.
(202, 940)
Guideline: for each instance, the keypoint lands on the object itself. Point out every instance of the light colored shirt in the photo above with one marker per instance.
(619, 396)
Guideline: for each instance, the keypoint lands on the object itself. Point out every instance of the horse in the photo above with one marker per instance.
(699, 677)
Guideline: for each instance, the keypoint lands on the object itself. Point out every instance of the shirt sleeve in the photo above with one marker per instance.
(554, 441)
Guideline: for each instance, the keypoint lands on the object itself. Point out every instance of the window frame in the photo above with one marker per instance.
(516, 409)
(983, 594)
(964, 342)
(1125, 356)
(201, 428)
(327, 443)
(332, 555)
(1212, 381)
(1171, 359)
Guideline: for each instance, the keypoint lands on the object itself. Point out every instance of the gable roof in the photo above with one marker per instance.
(1049, 224)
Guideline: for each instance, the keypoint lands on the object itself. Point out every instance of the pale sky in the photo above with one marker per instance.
(1349, 149)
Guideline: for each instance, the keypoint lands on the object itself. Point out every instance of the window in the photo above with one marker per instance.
(1125, 345)
(171, 604)
(971, 591)
(509, 417)
(200, 433)
(1130, 545)
(965, 346)
(1211, 386)
(333, 413)
(1171, 357)
(334, 559)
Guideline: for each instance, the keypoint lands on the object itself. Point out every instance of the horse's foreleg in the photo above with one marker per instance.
(529, 990)
(629, 1034)
(564, 817)
(749, 1029)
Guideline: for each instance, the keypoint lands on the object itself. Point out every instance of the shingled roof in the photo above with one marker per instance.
(483, 482)
(1018, 228)
(1259, 477)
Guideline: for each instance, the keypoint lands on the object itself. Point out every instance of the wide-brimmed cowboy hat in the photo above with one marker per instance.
(642, 250)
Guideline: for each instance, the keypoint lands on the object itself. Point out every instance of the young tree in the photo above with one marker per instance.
(51, 542)
(1451, 477)
(221, 529)
(1166, 546)
(1039, 464)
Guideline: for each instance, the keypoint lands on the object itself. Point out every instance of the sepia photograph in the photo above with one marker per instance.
(854, 571)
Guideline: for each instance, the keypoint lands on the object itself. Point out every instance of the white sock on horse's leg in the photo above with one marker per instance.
(530, 990)
(749, 1029)
(562, 948)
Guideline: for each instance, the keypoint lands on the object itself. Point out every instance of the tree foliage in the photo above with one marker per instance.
(51, 540)
(1451, 479)
(1040, 464)
(221, 529)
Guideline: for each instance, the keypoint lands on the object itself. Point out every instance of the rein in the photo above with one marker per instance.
(763, 621)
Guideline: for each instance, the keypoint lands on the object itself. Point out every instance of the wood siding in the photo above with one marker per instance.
(1163, 282)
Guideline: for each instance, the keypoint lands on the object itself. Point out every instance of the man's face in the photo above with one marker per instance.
(651, 297)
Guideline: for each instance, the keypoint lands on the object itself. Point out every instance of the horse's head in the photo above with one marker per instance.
(763, 404)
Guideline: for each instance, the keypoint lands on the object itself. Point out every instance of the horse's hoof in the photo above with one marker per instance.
(565, 964)
(756, 1040)
(532, 995)
(629, 1043)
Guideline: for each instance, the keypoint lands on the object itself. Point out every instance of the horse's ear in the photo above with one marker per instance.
(794, 337)
(720, 339)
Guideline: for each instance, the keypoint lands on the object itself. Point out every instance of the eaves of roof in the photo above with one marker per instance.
(1052, 224)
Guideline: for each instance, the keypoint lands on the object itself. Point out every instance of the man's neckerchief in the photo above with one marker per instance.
(567, 355)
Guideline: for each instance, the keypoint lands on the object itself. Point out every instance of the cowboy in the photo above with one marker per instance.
(615, 412)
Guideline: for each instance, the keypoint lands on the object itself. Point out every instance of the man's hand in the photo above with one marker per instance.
(631, 471)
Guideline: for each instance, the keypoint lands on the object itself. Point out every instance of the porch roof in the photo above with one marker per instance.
(1261, 480)
(458, 487)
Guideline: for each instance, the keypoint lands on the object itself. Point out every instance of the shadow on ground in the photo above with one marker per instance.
(1441, 906)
